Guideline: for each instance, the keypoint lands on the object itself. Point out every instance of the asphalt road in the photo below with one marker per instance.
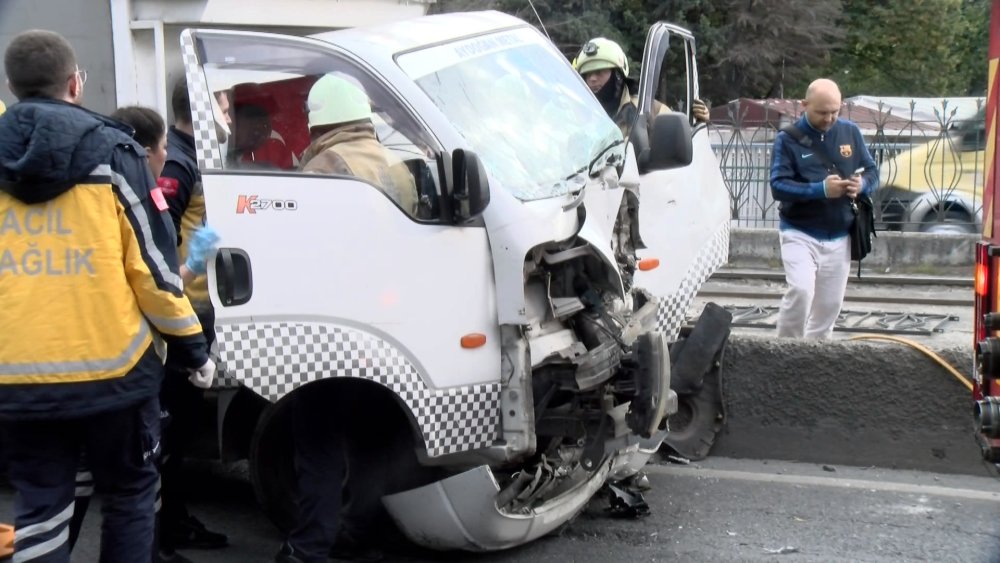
(718, 510)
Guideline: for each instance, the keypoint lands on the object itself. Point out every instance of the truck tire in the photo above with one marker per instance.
(699, 417)
(381, 460)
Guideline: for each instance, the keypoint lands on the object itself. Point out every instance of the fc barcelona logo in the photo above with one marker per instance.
(845, 151)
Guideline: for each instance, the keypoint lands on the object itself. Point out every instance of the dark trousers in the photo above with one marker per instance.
(183, 403)
(121, 448)
(320, 464)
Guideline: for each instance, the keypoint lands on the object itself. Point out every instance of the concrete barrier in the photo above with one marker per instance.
(847, 402)
(892, 252)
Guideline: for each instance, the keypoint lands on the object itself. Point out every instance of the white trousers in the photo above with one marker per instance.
(816, 273)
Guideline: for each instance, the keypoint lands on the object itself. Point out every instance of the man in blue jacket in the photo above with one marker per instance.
(90, 283)
(816, 194)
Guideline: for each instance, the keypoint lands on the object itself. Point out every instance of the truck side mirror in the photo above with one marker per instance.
(669, 143)
(470, 190)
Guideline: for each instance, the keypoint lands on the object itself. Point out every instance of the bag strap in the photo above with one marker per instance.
(819, 150)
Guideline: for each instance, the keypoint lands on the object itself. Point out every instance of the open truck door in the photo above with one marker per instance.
(328, 277)
(684, 224)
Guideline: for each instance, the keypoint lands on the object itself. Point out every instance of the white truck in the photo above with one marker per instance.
(502, 351)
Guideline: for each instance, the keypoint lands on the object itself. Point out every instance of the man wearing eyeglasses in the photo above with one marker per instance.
(89, 280)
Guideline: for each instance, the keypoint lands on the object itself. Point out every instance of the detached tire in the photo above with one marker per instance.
(699, 417)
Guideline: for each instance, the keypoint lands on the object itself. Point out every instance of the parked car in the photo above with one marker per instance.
(936, 187)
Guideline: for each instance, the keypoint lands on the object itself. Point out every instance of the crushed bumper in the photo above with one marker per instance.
(460, 512)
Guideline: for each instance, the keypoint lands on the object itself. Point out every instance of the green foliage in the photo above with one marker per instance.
(906, 47)
(773, 48)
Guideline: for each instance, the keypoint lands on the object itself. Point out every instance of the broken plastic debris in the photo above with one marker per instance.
(782, 550)
(730, 533)
(626, 503)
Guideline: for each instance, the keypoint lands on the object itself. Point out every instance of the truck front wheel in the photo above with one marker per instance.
(378, 449)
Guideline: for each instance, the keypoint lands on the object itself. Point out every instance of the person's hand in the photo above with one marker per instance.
(203, 242)
(203, 377)
(853, 186)
(834, 186)
(700, 111)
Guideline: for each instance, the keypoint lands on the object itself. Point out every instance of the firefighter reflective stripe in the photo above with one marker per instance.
(84, 483)
(39, 549)
(86, 370)
(46, 526)
(142, 220)
(164, 323)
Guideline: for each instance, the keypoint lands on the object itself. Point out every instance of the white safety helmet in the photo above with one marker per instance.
(333, 100)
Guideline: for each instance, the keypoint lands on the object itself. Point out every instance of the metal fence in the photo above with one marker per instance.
(930, 155)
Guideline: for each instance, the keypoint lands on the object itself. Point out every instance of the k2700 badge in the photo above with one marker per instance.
(253, 204)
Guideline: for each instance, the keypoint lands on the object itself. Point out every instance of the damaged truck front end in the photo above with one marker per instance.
(517, 338)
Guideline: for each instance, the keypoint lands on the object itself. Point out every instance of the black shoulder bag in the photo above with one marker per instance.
(863, 227)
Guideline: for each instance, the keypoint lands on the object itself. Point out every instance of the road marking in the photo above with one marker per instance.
(839, 482)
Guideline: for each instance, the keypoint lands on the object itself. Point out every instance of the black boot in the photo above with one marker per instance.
(190, 533)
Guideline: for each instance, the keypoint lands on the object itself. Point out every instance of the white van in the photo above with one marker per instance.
(504, 349)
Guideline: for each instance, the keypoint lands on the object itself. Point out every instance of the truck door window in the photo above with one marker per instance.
(672, 84)
(299, 109)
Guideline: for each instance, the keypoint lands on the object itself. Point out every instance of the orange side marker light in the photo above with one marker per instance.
(473, 340)
(647, 264)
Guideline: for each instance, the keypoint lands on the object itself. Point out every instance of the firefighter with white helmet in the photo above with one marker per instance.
(604, 66)
(344, 140)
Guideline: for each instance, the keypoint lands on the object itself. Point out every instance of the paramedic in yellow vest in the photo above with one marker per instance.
(344, 141)
(6, 530)
(604, 67)
(89, 279)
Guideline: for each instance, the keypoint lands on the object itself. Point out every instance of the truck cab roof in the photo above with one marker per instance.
(388, 40)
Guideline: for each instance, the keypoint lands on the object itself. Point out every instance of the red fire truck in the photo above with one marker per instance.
(986, 390)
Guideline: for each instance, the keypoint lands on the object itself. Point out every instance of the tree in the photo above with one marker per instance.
(773, 48)
(903, 47)
(765, 46)
(973, 48)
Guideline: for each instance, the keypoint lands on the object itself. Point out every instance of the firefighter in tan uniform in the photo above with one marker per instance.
(604, 66)
(344, 141)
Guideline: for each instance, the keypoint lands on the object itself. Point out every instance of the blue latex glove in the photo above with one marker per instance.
(203, 242)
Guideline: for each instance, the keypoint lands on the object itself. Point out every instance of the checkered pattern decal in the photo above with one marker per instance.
(673, 308)
(206, 141)
(273, 359)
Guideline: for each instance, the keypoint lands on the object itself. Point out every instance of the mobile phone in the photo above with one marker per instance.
(859, 171)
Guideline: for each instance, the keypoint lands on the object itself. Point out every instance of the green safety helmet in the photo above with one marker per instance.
(334, 100)
(601, 53)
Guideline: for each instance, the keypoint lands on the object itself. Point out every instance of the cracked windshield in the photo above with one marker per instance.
(520, 107)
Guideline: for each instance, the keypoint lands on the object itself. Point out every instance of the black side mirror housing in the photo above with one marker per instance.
(669, 143)
(465, 187)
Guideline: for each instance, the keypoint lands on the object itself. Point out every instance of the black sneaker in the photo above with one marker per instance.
(170, 557)
(190, 533)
